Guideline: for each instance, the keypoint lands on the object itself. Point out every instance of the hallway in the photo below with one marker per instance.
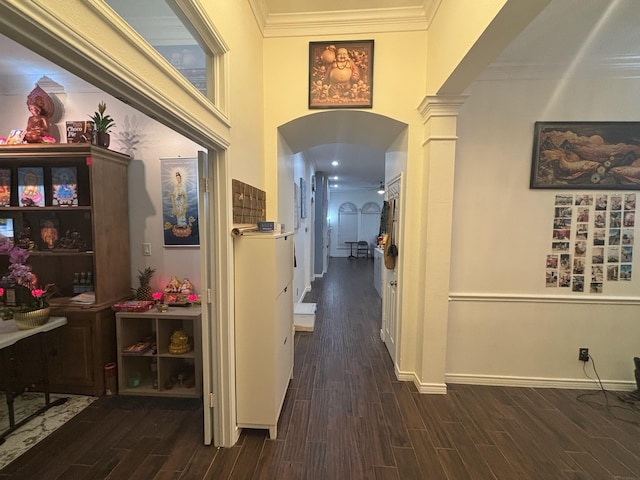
(347, 418)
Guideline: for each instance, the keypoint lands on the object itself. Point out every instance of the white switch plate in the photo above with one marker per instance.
(146, 249)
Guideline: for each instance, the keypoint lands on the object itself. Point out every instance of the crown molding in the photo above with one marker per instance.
(609, 66)
(362, 21)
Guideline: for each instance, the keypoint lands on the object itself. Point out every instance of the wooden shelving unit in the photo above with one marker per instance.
(158, 372)
(80, 349)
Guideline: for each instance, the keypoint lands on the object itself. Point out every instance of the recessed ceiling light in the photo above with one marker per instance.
(335, 177)
(335, 163)
(334, 186)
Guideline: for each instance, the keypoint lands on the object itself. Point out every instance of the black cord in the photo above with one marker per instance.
(607, 406)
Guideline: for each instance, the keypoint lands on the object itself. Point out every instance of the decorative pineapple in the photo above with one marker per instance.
(144, 290)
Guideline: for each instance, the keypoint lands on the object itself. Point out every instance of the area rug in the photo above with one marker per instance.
(39, 427)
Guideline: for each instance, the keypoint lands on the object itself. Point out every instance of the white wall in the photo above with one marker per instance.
(504, 324)
(359, 199)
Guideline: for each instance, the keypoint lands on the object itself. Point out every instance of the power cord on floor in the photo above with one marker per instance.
(626, 398)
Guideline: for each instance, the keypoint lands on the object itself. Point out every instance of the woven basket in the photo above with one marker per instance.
(33, 319)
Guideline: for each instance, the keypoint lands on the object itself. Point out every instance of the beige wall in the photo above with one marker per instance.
(505, 325)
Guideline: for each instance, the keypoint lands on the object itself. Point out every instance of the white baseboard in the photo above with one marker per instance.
(426, 388)
(534, 382)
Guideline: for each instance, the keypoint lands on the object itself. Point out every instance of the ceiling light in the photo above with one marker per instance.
(381, 189)
(335, 163)
(335, 177)
(334, 186)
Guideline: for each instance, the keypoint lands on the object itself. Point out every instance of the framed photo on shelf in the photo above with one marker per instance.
(586, 155)
(341, 74)
(5, 187)
(31, 186)
(179, 178)
(49, 233)
(64, 186)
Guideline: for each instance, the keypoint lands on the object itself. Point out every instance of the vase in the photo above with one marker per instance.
(102, 139)
(32, 319)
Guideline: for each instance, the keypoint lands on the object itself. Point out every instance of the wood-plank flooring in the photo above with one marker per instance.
(347, 417)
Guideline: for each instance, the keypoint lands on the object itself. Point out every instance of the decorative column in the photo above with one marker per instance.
(440, 115)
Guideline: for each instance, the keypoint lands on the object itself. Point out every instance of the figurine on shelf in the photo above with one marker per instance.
(41, 108)
(187, 287)
(173, 286)
(179, 342)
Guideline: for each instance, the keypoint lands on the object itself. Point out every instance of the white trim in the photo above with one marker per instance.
(538, 382)
(523, 298)
(424, 388)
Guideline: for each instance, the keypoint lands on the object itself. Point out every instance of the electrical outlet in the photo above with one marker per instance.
(583, 354)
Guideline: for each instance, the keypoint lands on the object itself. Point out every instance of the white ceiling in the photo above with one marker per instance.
(569, 38)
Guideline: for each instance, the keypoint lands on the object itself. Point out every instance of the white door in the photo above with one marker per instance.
(209, 366)
(390, 316)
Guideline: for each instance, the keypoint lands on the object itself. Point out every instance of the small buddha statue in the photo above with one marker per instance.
(179, 342)
(41, 108)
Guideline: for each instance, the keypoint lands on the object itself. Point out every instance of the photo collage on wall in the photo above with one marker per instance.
(592, 241)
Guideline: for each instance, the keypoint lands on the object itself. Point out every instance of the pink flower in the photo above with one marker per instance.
(192, 298)
(37, 292)
(1, 291)
(156, 295)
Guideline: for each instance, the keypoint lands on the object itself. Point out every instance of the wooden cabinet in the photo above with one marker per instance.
(157, 371)
(92, 236)
(263, 327)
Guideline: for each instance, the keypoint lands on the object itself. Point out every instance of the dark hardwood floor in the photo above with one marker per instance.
(346, 417)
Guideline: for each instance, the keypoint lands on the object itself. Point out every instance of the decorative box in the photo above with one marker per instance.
(133, 306)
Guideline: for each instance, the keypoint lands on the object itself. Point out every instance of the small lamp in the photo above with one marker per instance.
(381, 189)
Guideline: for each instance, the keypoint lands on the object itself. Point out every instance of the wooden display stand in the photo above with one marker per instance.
(264, 327)
(157, 371)
(79, 350)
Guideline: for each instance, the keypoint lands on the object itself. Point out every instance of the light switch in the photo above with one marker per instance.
(146, 249)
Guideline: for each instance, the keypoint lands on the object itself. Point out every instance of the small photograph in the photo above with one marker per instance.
(30, 186)
(616, 202)
(16, 137)
(559, 246)
(563, 212)
(584, 199)
(565, 280)
(599, 236)
(613, 273)
(597, 255)
(596, 287)
(615, 219)
(613, 255)
(578, 266)
(578, 283)
(551, 278)
(626, 255)
(629, 219)
(561, 234)
(582, 231)
(614, 236)
(601, 202)
(580, 249)
(627, 236)
(565, 262)
(630, 201)
(597, 273)
(564, 199)
(49, 233)
(552, 261)
(5, 187)
(600, 220)
(583, 214)
(6, 229)
(561, 223)
(625, 272)
(64, 186)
